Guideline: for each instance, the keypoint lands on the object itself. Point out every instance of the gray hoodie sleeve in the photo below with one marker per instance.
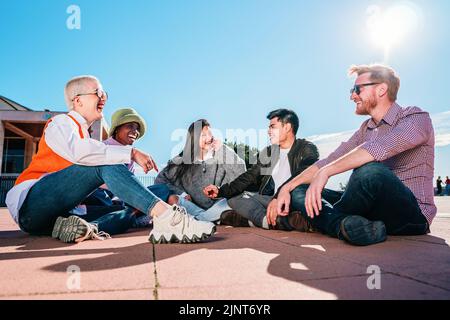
(167, 177)
(233, 164)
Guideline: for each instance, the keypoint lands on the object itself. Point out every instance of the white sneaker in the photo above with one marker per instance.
(176, 225)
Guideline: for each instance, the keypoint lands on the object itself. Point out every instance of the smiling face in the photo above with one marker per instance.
(127, 133)
(366, 100)
(206, 139)
(88, 104)
(278, 131)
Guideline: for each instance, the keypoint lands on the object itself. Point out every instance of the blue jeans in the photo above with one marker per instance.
(58, 193)
(103, 197)
(211, 214)
(373, 192)
(161, 190)
(100, 197)
(114, 219)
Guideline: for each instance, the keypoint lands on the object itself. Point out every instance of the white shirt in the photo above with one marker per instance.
(282, 170)
(62, 136)
(113, 142)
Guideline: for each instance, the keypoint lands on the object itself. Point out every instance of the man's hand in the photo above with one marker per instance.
(272, 212)
(144, 160)
(313, 199)
(211, 191)
(284, 201)
(188, 197)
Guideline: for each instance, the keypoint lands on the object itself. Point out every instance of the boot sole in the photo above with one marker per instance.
(185, 239)
(65, 229)
(372, 232)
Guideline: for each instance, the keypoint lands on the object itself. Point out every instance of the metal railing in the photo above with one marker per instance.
(6, 183)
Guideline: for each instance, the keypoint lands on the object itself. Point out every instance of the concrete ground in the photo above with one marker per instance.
(238, 263)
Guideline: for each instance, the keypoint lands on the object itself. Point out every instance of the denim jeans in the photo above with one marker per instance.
(103, 197)
(160, 190)
(373, 192)
(211, 214)
(58, 193)
(100, 197)
(252, 206)
(114, 219)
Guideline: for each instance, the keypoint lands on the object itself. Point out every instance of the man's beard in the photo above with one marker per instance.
(366, 106)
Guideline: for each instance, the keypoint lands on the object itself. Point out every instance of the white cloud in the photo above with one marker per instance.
(326, 143)
(330, 141)
(441, 123)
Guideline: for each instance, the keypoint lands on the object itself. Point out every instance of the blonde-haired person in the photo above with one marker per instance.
(70, 165)
(392, 154)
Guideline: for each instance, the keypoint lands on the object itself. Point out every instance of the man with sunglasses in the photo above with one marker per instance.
(70, 165)
(392, 156)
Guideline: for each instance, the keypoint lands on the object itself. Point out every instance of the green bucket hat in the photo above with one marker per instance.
(127, 115)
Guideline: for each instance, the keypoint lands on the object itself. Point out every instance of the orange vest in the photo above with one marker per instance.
(46, 160)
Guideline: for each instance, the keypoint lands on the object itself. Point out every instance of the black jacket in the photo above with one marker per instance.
(302, 154)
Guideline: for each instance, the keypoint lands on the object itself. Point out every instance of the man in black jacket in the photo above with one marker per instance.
(276, 164)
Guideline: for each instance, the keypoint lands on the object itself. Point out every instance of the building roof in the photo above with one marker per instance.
(8, 104)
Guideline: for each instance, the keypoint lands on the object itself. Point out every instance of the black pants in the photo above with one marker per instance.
(373, 192)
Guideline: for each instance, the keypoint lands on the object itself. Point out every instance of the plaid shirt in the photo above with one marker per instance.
(403, 141)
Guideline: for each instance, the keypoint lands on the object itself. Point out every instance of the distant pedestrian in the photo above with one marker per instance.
(447, 186)
(439, 186)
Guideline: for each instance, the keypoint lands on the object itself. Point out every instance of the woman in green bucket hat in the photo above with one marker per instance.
(127, 126)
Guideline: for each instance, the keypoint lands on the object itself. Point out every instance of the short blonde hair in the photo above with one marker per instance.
(76, 86)
(379, 73)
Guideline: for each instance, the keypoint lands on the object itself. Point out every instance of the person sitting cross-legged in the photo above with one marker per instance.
(392, 156)
(285, 158)
(70, 165)
(127, 126)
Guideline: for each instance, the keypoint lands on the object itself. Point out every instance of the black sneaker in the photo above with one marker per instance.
(232, 218)
(299, 222)
(359, 231)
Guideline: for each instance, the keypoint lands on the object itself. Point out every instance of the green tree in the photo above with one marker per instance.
(250, 154)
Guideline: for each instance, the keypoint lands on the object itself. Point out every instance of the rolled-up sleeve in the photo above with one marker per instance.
(344, 148)
(411, 131)
(62, 136)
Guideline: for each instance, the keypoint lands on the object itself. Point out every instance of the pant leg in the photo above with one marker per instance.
(191, 207)
(99, 197)
(329, 219)
(376, 193)
(112, 222)
(57, 193)
(161, 190)
(213, 213)
(251, 206)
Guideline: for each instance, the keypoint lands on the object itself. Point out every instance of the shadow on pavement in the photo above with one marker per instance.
(397, 253)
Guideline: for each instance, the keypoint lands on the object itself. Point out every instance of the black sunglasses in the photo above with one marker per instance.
(357, 87)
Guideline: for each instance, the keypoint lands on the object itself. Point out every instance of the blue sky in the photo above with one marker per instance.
(228, 61)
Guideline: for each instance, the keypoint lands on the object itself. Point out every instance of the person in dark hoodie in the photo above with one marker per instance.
(276, 164)
(204, 160)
